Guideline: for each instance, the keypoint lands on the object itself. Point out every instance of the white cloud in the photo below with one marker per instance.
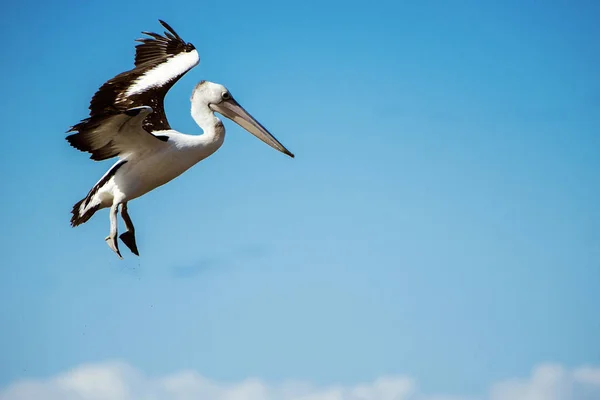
(119, 381)
(551, 382)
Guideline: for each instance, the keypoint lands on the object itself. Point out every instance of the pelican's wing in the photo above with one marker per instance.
(119, 133)
(160, 61)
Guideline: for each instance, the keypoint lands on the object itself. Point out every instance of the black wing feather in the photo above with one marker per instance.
(160, 48)
(110, 97)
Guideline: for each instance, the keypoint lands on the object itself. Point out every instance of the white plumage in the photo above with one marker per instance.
(163, 73)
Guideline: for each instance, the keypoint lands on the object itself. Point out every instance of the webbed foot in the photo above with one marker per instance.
(128, 238)
(112, 243)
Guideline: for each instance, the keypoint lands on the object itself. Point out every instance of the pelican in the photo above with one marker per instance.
(127, 120)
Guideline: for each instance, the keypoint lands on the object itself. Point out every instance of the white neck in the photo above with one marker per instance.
(214, 131)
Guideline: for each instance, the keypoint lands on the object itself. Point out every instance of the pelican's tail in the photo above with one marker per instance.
(86, 207)
(83, 211)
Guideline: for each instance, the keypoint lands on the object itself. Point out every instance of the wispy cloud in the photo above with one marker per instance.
(120, 381)
(191, 270)
(239, 255)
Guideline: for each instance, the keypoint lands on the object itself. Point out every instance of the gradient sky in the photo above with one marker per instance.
(441, 218)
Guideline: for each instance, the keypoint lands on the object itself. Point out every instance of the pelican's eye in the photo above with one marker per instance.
(225, 96)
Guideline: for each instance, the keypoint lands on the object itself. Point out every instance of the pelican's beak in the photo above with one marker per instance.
(232, 110)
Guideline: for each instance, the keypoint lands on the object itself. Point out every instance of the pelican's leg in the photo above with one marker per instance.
(128, 237)
(111, 239)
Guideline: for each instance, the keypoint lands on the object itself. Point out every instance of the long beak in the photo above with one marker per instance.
(232, 110)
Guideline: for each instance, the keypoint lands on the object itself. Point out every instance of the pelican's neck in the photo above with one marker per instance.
(214, 132)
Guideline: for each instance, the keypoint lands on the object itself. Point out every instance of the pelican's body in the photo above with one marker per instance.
(144, 173)
(127, 121)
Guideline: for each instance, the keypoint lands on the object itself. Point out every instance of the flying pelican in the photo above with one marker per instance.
(127, 120)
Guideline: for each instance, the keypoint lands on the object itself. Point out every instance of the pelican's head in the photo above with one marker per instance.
(220, 100)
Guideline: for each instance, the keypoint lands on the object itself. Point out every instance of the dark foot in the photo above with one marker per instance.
(112, 243)
(129, 239)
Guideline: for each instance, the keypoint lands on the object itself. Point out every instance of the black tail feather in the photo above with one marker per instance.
(78, 219)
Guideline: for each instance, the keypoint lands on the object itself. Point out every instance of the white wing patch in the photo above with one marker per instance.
(164, 72)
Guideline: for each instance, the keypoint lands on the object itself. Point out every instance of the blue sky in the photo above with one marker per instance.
(440, 219)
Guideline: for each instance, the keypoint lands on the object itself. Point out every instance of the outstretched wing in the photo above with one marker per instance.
(160, 61)
(119, 133)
